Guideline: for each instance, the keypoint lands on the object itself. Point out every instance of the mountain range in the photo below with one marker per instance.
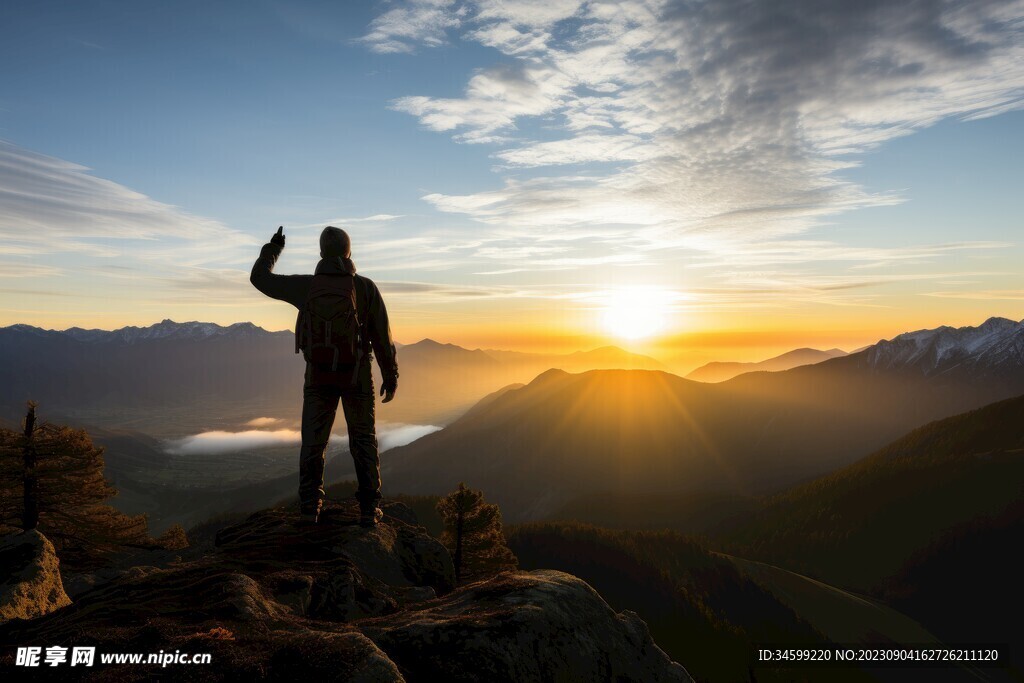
(860, 524)
(720, 371)
(931, 524)
(994, 349)
(172, 379)
(540, 445)
(563, 436)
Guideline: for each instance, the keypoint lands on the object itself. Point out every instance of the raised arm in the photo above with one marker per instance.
(290, 288)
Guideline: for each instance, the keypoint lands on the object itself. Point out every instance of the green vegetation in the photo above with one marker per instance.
(425, 508)
(51, 478)
(473, 534)
(966, 585)
(700, 608)
(687, 513)
(857, 527)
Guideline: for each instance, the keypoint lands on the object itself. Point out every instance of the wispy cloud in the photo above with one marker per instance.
(52, 206)
(801, 251)
(708, 125)
(342, 221)
(14, 269)
(983, 295)
(79, 232)
(264, 422)
(421, 22)
(495, 98)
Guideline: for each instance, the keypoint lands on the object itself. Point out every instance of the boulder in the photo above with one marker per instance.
(522, 626)
(30, 583)
(398, 552)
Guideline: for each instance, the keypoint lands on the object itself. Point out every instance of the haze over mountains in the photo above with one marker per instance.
(861, 524)
(563, 436)
(719, 371)
(931, 524)
(537, 440)
(771, 467)
(172, 379)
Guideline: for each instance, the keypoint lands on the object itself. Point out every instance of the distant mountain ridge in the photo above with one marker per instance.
(166, 329)
(856, 526)
(994, 346)
(720, 371)
(193, 330)
(200, 372)
(565, 436)
(174, 377)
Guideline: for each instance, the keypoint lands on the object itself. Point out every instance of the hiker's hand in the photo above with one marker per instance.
(278, 237)
(387, 390)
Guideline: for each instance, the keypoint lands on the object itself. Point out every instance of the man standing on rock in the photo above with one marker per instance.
(342, 321)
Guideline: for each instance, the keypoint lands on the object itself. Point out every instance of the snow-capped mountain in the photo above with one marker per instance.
(165, 330)
(166, 365)
(995, 347)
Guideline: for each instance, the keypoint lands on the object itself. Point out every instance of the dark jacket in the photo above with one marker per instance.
(369, 304)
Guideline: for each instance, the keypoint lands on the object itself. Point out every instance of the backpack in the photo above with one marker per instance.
(327, 330)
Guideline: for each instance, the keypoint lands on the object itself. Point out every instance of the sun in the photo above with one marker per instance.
(636, 312)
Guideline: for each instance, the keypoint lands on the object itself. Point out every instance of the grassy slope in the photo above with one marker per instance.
(839, 615)
(858, 526)
(701, 609)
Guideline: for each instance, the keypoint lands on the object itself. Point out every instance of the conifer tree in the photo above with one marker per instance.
(51, 478)
(473, 534)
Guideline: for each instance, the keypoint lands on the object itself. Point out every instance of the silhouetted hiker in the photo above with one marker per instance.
(342, 321)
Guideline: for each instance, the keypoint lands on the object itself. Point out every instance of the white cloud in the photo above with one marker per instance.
(219, 442)
(72, 222)
(581, 149)
(342, 221)
(527, 13)
(13, 269)
(713, 124)
(417, 22)
(69, 232)
(48, 206)
(983, 295)
(264, 422)
(495, 98)
(393, 436)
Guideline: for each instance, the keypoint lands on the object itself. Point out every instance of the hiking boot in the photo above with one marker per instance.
(309, 515)
(370, 517)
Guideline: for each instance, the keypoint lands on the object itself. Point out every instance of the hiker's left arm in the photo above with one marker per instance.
(288, 288)
(382, 343)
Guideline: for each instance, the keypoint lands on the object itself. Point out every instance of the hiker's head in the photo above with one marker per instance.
(335, 242)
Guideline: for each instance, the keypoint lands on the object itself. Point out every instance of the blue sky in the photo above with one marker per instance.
(505, 168)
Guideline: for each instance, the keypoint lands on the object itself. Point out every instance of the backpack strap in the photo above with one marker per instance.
(361, 340)
(363, 316)
(308, 335)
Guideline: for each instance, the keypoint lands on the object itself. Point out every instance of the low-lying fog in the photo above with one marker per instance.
(389, 435)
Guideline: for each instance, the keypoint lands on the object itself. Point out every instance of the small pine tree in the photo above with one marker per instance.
(473, 534)
(174, 538)
(51, 478)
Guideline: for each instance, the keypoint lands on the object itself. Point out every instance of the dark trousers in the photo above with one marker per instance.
(321, 394)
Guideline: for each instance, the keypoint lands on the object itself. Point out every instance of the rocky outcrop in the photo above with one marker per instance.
(30, 583)
(276, 599)
(522, 626)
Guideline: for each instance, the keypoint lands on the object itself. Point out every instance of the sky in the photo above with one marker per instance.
(691, 179)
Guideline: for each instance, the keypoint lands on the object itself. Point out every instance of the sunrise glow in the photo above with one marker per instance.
(637, 313)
